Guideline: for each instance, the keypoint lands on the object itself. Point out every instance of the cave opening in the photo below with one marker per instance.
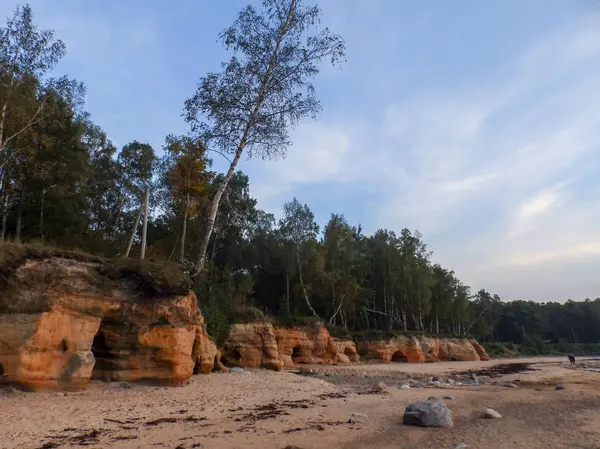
(105, 357)
(232, 358)
(296, 355)
(399, 357)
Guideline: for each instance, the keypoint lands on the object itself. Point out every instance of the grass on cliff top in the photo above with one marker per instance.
(147, 279)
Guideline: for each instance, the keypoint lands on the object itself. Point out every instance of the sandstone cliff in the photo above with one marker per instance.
(418, 349)
(273, 347)
(66, 318)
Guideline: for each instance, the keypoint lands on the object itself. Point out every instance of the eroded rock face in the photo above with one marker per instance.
(262, 345)
(423, 349)
(62, 323)
(252, 346)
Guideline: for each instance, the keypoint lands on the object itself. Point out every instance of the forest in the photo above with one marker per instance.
(65, 184)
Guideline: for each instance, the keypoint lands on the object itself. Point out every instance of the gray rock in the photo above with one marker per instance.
(510, 385)
(459, 384)
(405, 387)
(419, 385)
(461, 446)
(238, 370)
(429, 413)
(451, 381)
(474, 377)
(359, 418)
(490, 413)
(436, 383)
(559, 387)
(450, 398)
(436, 378)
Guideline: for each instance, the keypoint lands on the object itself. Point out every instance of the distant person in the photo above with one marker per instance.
(571, 359)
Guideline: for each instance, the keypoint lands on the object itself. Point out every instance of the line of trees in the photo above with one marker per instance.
(64, 183)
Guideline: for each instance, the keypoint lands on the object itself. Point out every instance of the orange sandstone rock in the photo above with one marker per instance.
(62, 322)
(422, 349)
(252, 346)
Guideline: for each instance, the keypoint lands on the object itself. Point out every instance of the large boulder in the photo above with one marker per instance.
(66, 318)
(430, 413)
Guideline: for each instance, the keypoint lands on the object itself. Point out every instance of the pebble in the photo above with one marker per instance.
(490, 413)
(450, 398)
(405, 387)
(461, 446)
(357, 418)
(510, 385)
(559, 387)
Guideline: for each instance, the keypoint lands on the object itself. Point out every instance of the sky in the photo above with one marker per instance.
(477, 123)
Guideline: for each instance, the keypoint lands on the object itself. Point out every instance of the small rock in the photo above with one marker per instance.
(559, 387)
(381, 386)
(419, 385)
(474, 377)
(451, 381)
(436, 378)
(405, 387)
(431, 398)
(459, 384)
(539, 389)
(429, 413)
(238, 370)
(461, 446)
(437, 383)
(125, 386)
(450, 398)
(490, 413)
(510, 385)
(65, 394)
(358, 418)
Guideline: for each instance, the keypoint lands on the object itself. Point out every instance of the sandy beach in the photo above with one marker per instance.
(264, 409)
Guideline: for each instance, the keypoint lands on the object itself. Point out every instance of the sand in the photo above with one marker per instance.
(264, 409)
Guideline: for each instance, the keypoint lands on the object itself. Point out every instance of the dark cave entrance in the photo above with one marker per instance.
(399, 357)
(103, 353)
(296, 355)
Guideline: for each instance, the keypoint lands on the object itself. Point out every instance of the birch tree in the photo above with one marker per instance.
(264, 90)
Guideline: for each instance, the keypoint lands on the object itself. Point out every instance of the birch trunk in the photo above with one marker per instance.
(134, 230)
(145, 223)
(184, 229)
(314, 312)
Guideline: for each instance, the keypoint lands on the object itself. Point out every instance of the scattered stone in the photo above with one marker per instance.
(358, 418)
(419, 385)
(292, 447)
(65, 394)
(539, 389)
(431, 398)
(381, 386)
(459, 384)
(437, 383)
(429, 413)
(510, 385)
(451, 381)
(450, 398)
(405, 387)
(238, 370)
(474, 377)
(436, 378)
(490, 413)
(125, 386)
(559, 387)
(461, 446)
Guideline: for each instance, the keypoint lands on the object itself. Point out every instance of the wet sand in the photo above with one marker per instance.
(264, 409)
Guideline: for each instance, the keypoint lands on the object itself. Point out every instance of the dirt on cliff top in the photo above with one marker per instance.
(140, 279)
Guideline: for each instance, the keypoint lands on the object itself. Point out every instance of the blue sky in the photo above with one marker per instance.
(476, 122)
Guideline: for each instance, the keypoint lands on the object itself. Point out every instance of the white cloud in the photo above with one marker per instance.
(491, 175)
